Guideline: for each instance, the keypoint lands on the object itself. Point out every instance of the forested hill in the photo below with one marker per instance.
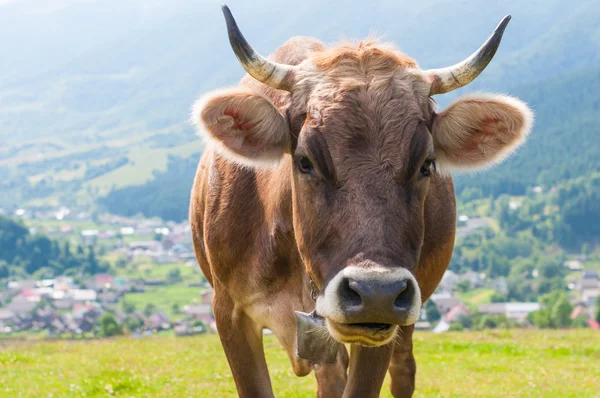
(564, 145)
(565, 141)
(166, 196)
(23, 254)
(95, 95)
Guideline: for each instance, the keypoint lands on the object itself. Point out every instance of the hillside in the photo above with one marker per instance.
(24, 254)
(564, 143)
(95, 96)
(563, 146)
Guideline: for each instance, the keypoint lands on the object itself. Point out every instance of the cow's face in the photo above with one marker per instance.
(363, 144)
(363, 158)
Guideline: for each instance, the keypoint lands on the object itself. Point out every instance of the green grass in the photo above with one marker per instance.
(146, 269)
(142, 164)
(486, 364)
(476, 296)
(63, 175)
(164, 297)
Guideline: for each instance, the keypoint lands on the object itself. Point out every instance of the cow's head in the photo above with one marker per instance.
(366, 144)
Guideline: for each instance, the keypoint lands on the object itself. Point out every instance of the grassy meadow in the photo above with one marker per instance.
(512, 363)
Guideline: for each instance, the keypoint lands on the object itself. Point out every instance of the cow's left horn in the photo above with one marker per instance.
(271, 73)
(456, 76)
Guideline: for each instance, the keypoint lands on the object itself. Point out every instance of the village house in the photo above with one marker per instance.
(32, 295)
(83, 294)
(456, 313)
(158, 321)
(103, 281)
(20, 285)
(65, 303)
(499, 285)
(445, 302)
(422, 325)
(20, 305)
(513, 311)
(588, 287)
(150, 248)
(6, 317)
(195, 310)
(475, 279)
(109, 298)
(448, 282)
(186, 329)
(573, 265)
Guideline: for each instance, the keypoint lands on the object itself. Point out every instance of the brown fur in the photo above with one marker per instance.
(362, 114)
(479, 130)
(370, 53)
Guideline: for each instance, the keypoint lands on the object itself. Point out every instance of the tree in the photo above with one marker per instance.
(149, 309)
(463, 286)
(598, 309)
(91, 261)
(134, 324)
(497, 297)
(580, 322)
(555, 312)
(175, 308)
(561, 312)
(128, 307)
(174, 275)
(540, 318)
(3, 270)
(431, 311)
(585, 249)
(109, 326)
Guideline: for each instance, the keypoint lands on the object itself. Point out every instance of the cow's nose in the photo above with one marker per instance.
(373, 300)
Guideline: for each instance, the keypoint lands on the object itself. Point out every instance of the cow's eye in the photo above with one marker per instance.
(427, 166)
(305, 166)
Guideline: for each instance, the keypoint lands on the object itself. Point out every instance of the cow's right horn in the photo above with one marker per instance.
(271, 73)
(450, 78)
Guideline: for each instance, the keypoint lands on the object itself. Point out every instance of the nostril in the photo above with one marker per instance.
(401, 287)
(404, 299)
(350, 294)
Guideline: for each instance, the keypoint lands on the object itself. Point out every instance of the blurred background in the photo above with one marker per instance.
(97, 157)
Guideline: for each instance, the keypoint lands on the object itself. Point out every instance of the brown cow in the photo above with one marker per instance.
(329, 165)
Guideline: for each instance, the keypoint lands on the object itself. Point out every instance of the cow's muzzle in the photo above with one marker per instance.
(364, 305)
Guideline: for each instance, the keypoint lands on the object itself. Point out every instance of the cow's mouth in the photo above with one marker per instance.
(368, 334)
(374, 326)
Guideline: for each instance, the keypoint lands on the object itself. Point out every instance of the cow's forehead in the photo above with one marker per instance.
(369, 128)
(364, 103)
(372, 72)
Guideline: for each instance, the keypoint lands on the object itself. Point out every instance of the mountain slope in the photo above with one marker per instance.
(564, 143)
(90, 83)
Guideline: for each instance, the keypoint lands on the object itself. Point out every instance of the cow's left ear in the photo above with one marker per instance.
(480, 130)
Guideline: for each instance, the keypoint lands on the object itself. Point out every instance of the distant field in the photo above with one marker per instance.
(143, 162)
(164, 297)
(485, 364)
(477, 296)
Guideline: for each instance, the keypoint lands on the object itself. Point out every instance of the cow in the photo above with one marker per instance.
(325, 188)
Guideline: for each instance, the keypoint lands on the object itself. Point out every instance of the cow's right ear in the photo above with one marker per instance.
(246, 127)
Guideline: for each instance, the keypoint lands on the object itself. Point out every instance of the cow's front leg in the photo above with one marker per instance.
(403, 366)
(242, 342)
(331, 379)
(367, 370)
